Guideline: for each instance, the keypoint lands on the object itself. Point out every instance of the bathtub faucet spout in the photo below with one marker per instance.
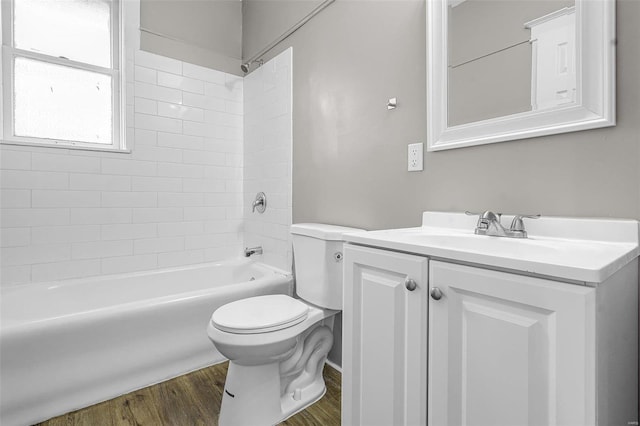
(252, 250)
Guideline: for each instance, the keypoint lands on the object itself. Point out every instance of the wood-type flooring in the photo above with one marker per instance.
(192, 399)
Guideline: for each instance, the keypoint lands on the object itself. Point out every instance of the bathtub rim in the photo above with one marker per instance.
(7, 330)
(236, 261)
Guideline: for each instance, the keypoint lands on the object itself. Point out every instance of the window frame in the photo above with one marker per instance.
(116, 72)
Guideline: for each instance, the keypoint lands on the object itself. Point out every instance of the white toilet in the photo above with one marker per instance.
(277, 345)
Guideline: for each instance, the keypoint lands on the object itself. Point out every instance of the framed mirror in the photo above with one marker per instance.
(501, 70)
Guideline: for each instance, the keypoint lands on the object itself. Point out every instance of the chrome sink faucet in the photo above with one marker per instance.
(489, 224)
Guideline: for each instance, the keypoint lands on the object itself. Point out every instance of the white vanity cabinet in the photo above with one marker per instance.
(508, 349)
(384, 363)
(500, 331)
(503, 348)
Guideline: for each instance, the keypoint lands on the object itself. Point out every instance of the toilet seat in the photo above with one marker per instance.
(260, 314)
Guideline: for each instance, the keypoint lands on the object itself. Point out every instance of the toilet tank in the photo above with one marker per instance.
(317, 254)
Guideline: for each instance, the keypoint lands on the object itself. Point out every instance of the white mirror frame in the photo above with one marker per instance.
(595, 80)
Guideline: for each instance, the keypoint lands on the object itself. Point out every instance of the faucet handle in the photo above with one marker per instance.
(260, 203)
(480, 223)
(518, 225)
(483, 214)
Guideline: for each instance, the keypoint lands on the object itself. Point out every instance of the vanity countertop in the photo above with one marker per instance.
(571, 249)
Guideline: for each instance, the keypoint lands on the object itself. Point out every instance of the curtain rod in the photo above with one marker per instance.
(271, 45)
(290, 31)
(163, 35)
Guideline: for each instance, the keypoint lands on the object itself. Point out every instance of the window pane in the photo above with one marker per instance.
(57, 102)
(75, 29)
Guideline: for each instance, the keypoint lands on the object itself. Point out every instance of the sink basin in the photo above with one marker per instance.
(494, 245)
(583, 250)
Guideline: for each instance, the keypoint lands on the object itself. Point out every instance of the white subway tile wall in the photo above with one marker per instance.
(176, 199)
(268, 140)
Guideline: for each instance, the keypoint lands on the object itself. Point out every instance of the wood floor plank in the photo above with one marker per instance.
(96, 417)
(133, 409)
(209, 385)
(192, 399)
(174, 402)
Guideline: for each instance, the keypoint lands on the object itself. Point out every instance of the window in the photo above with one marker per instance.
(61, 65)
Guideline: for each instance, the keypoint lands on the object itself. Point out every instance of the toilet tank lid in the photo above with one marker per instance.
(322, 231)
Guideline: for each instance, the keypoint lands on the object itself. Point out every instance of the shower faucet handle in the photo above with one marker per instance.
(260, 203)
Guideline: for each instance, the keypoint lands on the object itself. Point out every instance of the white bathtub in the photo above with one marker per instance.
(71, 344)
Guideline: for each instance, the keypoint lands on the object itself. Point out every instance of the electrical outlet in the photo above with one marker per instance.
(415, 157)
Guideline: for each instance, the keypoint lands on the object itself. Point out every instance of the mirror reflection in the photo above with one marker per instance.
(509, 56)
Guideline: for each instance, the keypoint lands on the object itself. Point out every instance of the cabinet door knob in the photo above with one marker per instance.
(410, 284)
(436, 293)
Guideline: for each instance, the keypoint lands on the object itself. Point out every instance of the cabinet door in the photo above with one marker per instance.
(384, 338)
(506, 349)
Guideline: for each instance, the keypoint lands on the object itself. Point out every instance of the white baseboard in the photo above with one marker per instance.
(334, 366)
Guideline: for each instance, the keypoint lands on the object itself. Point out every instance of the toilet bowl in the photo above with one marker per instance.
(260, 388)
(257, 345)
(276, 344)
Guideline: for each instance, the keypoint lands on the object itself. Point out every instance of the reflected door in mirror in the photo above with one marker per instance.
(509, 56)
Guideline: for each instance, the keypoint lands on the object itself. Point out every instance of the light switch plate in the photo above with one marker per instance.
(415, 157)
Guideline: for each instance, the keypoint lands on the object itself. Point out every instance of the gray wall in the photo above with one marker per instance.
(349, 151)
(202, 32)
(349, 163)
(261, 26)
